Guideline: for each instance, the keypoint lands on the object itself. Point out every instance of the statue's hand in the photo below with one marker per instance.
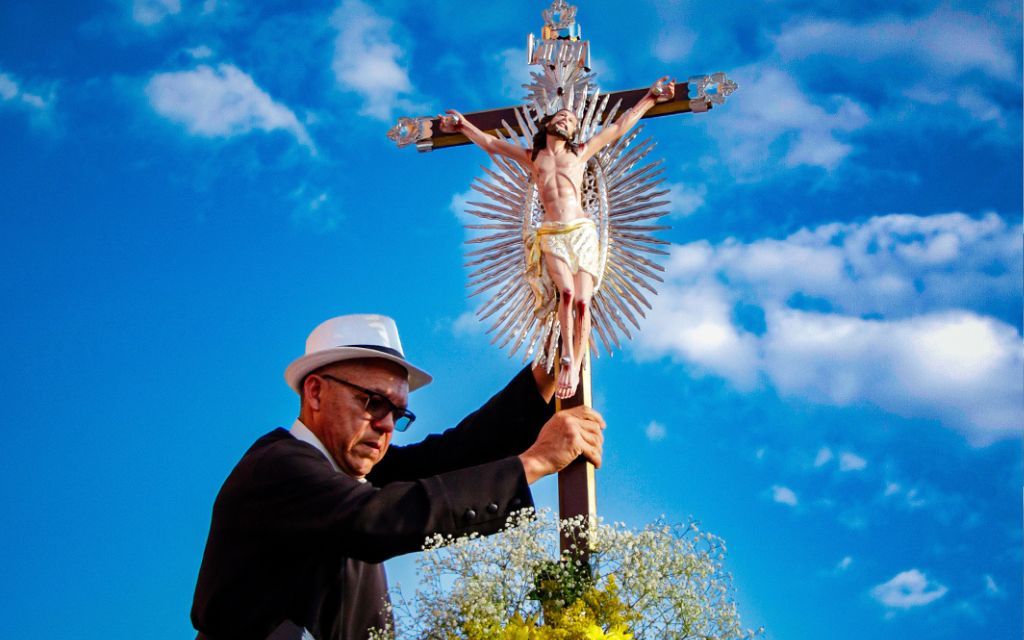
(452, 121)
(663, 89)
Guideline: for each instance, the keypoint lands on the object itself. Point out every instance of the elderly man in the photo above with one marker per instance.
(304, 520)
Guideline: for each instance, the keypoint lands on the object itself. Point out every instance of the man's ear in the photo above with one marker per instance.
(311, 388)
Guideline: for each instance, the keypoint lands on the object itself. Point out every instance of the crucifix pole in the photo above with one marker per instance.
(577, 485)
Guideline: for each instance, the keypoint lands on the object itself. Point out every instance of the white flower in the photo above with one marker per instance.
(671, 572)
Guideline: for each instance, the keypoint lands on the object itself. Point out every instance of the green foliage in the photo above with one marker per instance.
(560, 583)
(657, 583)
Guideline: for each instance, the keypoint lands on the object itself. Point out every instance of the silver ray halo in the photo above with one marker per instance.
(620, 194)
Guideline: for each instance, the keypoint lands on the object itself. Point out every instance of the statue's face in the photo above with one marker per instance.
(563, 125)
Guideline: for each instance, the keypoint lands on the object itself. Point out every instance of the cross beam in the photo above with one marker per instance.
(425, 131)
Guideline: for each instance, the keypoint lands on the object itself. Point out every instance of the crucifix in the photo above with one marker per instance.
(568, 215)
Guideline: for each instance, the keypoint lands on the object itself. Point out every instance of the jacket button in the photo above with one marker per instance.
(492, 508)
(469, 515)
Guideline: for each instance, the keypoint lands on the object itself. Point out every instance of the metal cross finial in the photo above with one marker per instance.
(711, 89)
(715, 87)
(410, 131)
(560, 15)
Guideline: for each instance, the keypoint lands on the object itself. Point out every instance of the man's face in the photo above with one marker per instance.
(355, 440)
(563, 125)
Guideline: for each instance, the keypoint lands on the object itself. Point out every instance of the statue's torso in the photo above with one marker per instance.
(559, 180)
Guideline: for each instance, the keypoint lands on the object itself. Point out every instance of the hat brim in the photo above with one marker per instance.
(303, 366)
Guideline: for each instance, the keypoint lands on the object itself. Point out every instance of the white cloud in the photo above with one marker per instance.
(991, 588)
(8, 87)
(36, 103)
(467, 324)
(674, 43)
(784, 495)
(221, 102)
(200, 53)
(694, 324)
(777, 121)
(907, 590)
(685, 199)
(823, 457)
(368, 62)
(851, 462)
(655, 431)
(979, 43)
(604, 71)
(955, 366)
(12, 93)
(915, 58)
(459, 205)
(854, 519)
(151, 12)
(980, 107)
(315, 210)
(514, 73)
(887, 312)
(968, 104)
(912, 498)
(844, 564)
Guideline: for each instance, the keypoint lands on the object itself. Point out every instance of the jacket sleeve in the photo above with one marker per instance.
(506, 425)
(298, 494)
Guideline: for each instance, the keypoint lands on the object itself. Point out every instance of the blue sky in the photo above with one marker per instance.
(830, 379)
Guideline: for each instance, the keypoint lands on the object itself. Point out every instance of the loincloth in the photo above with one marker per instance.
(574, 243)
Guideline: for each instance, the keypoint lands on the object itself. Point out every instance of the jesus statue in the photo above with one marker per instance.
(567, 237)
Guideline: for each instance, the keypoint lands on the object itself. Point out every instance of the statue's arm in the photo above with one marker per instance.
(661, 91)
(456, 122)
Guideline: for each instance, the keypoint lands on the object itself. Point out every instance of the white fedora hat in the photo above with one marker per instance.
(361, 335)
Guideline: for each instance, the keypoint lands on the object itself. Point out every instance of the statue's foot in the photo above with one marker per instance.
(568, 379)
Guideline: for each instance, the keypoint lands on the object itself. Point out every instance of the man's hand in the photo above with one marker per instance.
(567, 435)
(663, 89)
(452, 122)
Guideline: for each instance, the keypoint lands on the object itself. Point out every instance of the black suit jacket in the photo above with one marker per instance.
(291, 539)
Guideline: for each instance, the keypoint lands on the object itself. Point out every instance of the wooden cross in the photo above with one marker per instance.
(561, 44)
(425, 131)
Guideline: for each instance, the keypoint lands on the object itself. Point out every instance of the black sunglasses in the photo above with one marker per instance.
(378, 405)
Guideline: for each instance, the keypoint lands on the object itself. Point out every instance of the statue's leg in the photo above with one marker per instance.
(584, 285)
(561, 275)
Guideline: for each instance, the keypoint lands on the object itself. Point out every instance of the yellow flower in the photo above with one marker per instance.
(517, 633)
(595, 632)
(618, 632)
(517, 629)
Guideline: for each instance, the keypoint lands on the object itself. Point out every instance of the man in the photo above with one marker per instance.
(304, 520)
(567, 238)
